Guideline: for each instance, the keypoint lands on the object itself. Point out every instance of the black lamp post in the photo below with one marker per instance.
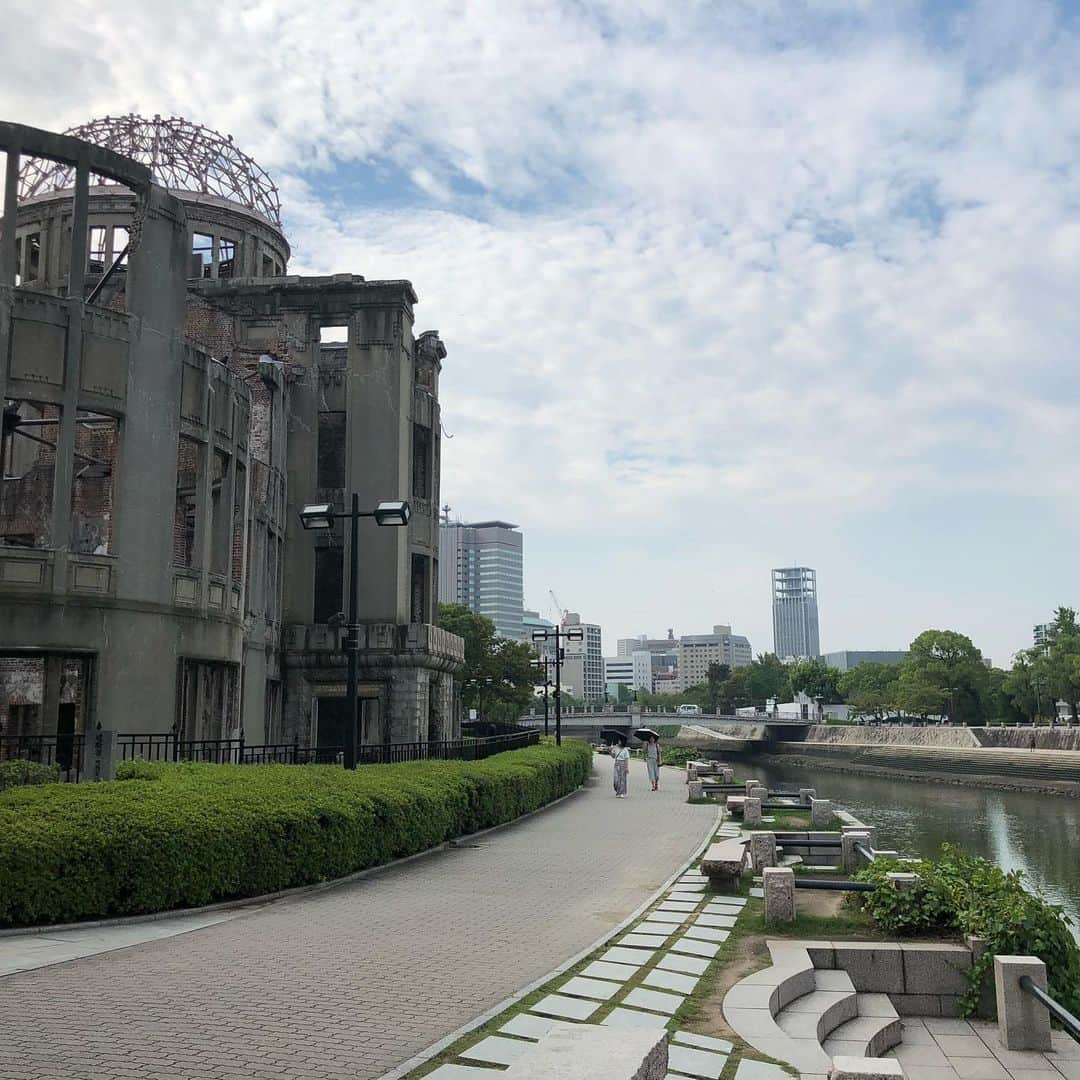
(560, 635)
(323, 516)
(480, 682)
(544, 663)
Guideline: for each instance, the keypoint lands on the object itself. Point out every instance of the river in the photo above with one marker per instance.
(1039, 834)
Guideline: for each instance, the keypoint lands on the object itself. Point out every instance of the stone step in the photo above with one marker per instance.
(872, 1033)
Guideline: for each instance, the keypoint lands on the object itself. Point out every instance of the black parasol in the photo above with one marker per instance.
(644, 733)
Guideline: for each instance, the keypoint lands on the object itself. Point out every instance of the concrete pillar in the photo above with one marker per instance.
(806, 794)
(8, 269)
(748, 784)
(751, 811)
(727, 776)
(762, 850)
(1023, 1022)
(758, 791)
(691, 771)
(821, 813)
(849, 857)
(779, 885)
(695, 790)
(870, 830)
(101, 752)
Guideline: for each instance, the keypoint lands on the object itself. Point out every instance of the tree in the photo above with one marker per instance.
(816, 679)
(871, 689)
(768, 678)
(507, 664)
(1020, 687)
(1058, 668)
(715, 679)
(944, 673)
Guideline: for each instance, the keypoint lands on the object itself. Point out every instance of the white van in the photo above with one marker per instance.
(688, 710)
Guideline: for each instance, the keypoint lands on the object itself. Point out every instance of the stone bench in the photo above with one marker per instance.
(595, 1052)
(724, 862)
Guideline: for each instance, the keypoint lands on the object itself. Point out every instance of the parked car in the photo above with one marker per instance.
(688, 710)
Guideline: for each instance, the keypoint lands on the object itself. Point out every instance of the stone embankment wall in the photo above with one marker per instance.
(890, 735)
(1020, 738)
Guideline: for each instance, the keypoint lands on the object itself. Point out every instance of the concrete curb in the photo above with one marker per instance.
(275, 897)
(435, 1048)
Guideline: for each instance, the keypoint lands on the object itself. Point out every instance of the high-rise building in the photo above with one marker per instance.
(633, 671)
(480, 566)
(583, 665)
(1041, 635)
(846, 659)
(697, 652)
(795, 613)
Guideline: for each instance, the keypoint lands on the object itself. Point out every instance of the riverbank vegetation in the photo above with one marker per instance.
(966, 894)
(169, 836)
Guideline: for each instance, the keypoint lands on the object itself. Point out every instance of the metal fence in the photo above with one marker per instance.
(66, 751)
(63, 751)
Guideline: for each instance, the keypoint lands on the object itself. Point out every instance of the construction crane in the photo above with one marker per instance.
(560, 611)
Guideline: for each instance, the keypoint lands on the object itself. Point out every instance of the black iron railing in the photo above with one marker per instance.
(63, 751)
(834, 886)
(1058, 1012)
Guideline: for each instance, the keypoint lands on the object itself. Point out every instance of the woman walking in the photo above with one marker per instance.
(622, 768)
(653, 760)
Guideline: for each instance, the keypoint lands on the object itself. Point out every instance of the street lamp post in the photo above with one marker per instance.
(545, 663)
(480, 683)
(560, 635)
(323, 516)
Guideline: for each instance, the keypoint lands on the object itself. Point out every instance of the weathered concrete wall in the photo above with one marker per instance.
(1020, 738)
(890, 735)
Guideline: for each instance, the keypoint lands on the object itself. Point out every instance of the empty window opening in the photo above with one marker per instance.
(202, 255)
(419, 592)
(329, 580)
(98, 249)
(239, 515)
(330, 468)
(92, 483)
(226, 257)
(18, 259)
(334, 335)
(27, 473)
(421, 485)
(206, 708)
(120, 239)
(185, 518)
(267, 266)
(28, 259)
(221, 516)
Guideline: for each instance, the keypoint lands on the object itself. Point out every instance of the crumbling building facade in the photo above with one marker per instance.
(172, 398)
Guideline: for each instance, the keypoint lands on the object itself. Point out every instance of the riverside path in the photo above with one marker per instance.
(352, 981)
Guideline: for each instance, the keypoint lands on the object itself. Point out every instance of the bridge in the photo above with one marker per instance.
(586, 721)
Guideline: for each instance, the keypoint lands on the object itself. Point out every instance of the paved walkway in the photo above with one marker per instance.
(350, 982)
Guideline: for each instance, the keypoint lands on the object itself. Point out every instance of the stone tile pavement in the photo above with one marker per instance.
(350, 982)
(936, 1048)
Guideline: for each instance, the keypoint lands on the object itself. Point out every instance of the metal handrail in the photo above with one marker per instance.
(865, 852)
(834, 886)
(1059, 1012)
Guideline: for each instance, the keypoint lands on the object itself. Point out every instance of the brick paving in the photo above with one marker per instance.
(353, 981)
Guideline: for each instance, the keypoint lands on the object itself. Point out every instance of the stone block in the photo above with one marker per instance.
(860, 827)
(1023, 1021)
(779, 886)
(900, 880)
(916, 1004)
(874, 967)
(593, 1050)
(935, 968)
(101, 753)
(727, 776)
(806, 794)
(752, 810)
(758, 791)
(850, 859)
(866, 1068)
(821, 812)
(695, 789)
(762, 850)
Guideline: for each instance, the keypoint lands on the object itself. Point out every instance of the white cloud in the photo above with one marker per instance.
(708, 263)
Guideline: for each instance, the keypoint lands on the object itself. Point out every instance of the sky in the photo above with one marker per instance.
(725, 286)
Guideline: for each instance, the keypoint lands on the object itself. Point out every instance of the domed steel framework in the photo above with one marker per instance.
(182, 156)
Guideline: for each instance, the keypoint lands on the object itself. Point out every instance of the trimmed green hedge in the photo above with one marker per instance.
(171, 836)
(21, 773)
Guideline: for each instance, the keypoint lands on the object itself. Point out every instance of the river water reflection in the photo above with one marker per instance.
(1039, 834)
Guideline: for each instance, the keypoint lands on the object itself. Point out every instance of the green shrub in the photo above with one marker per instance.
(22, 773)
(968, 894)
(169, 836)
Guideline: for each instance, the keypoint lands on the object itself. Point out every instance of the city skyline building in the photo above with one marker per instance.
(633, 671)
(695, 653)
(481, 566)
(583, 663)
(846, 659)
(795, 613)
